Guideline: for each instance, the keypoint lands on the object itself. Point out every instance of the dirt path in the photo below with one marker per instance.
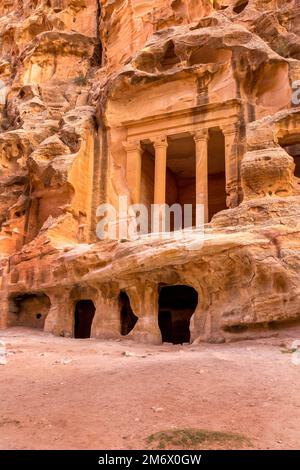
(59, 393)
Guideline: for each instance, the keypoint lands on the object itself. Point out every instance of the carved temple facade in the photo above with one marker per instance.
(190, 157)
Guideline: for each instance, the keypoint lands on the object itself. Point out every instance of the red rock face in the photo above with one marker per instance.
(94, 95)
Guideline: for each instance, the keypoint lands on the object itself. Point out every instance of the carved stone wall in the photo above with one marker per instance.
(145, 99)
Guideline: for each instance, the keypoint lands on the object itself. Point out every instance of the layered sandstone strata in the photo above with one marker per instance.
(177, 101)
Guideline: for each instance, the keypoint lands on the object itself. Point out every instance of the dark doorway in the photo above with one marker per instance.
(127, 318)
(84, 315)
(147, 178)
(176, 307)
(180, 177)
(165, 325)
(216, 173)
(292, 146)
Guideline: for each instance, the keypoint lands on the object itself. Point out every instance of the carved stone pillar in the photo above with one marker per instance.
(60, 319)
(201, 140)
(134, 169)
(232, 163)
(4, 315)
(144, 302)
(161, 146)
(106, 323)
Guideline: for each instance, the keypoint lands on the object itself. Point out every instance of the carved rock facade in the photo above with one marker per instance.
(177, 101)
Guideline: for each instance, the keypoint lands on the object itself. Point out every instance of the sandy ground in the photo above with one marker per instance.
(59, 393)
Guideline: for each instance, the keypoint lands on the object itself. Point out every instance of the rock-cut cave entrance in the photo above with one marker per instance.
(29, 310)
(84, 315)
(291, 144)
(176, 306)
(128, 319)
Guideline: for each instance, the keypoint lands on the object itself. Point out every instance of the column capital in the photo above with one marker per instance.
(200, 135)
(160, 141)
(132, 145)
(231, 128)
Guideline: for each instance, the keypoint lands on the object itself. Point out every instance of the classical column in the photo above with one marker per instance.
(160, 146)
(232, 164)
(134, 169)
(201, 141)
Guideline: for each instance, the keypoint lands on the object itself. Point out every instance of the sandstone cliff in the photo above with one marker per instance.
(80, 77)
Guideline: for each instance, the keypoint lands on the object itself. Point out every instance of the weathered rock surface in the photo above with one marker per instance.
(81, 77)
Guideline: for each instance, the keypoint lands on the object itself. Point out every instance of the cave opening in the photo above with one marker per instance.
(240, 6)
(84, 315)
(29, 310)
(293, 149)
(170, 58)
(128, 319)
(97, 59)
(292, 146)
(177, 304)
